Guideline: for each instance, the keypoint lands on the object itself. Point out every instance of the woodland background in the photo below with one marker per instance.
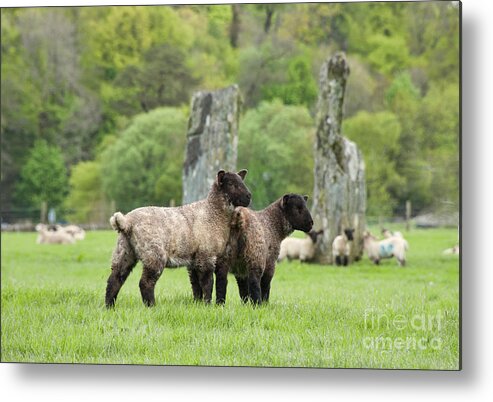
(95, 100)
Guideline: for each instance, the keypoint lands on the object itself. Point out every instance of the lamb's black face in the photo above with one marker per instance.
(233, 186)
(296, 212)
(314, 235)
(349, 234)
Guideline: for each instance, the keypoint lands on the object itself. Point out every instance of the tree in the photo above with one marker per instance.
(145, 158)
(164, 79)
(275, 144)
(300, 87)
(43, 178)
(377, 135)
(86, 200)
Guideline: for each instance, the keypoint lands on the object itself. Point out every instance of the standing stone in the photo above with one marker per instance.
(339, 195)
(212, 140)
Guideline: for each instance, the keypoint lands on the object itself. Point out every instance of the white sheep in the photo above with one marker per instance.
(454, 250)
(341, 247)
(387, 233)
(77, 232)
(394, 246)
(299, 249)
(46, 236)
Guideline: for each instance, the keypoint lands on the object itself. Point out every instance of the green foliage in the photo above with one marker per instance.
(146, 157)
(275, 143)
(377, 135)
(300, 88)
(164, 80)
(76, 76)
(43, 177)
(388, 54)
(86, 198)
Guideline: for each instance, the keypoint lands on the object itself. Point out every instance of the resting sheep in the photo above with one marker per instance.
(394, 246)
(193, 235)
(46, 236)
(341, 247)
(299, 249)
(254, 244)
(77, 232)
(453, 250)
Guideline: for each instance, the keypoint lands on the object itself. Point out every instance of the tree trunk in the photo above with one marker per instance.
(269, 12)
(234, 29)
(212, 140)
(339, 195)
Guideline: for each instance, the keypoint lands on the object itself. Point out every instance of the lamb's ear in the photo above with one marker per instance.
(284, 201)
(305, 197)
(242, 173)
(220, 176)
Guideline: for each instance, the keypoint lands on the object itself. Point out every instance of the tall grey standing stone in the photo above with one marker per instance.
(339, 195)
(212, 140)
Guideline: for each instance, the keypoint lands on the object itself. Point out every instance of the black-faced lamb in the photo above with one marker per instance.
(341, 247)
(254, 244)
(299, 249)
(192, 235)
(46, 236)
(394, 246)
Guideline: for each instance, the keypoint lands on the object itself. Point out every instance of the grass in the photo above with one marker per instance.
(319, 316)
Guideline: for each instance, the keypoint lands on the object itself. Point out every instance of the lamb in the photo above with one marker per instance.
(453, 250)
(388, 234)
(46, 236)
(299, 249)
(394, 246)
(341, 247)
(77, 232)
(193, 235)
(254, 244)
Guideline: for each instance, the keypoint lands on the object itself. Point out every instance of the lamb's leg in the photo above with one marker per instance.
(338, 260)
(221, 282)
(345, 260)
(206, 280)
(265, 286)
(123, 262)
(194, 281)
(150, 276)
(254, 287)
(243, 288)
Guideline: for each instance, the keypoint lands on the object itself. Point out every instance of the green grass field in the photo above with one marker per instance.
(319, 316)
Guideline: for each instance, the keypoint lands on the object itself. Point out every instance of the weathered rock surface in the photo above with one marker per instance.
(339, 195)
(212, 140)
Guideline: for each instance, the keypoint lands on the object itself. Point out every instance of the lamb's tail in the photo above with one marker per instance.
(119, 223)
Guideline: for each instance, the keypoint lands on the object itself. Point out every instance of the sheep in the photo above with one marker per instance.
(46, 236)
(453, 250)
(254, 245)
(192, 235)
(394, 246)
(299, 249)
(77, 232)
(388, 234)
(341, 247)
